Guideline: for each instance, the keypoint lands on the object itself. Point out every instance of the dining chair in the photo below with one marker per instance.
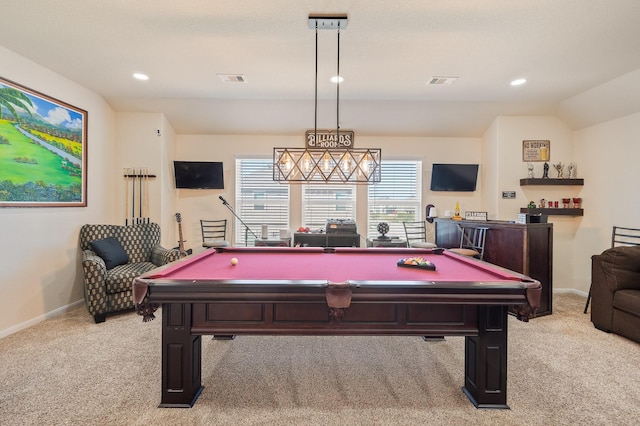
(214, 233)
(471, 241)
(416, 234)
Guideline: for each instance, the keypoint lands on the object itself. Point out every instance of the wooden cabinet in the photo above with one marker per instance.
(524, 248)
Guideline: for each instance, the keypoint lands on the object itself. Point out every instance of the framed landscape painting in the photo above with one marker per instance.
(43, 150)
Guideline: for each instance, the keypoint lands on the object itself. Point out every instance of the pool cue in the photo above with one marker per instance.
(140, 194)
(133, 195)
(148, 207)
(126, 198)
(148, 198)
(143, 191)
(143, 184)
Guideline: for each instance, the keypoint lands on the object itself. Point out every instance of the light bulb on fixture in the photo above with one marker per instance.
(366, 164)
(345, 163)
(306, 162)
(326, 162)
(287, 162)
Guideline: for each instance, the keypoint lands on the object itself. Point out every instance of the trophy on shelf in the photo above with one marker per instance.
(560, 169)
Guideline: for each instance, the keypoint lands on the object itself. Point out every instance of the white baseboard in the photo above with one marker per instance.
(36, 320)
(571, 291)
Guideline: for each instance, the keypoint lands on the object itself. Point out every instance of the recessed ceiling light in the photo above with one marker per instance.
(337, 79)
(518, 81)
(140, 76)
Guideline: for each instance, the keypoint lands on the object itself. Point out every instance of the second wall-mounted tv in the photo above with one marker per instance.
(199, 174)
(454, 177)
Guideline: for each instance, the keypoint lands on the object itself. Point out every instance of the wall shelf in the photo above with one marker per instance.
(550, 181)
(554, 212)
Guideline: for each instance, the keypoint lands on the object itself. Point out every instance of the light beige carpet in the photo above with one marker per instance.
(68, 370)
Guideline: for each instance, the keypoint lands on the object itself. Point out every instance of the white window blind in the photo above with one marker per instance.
(396, 198)
(322, 202)
(259, 200)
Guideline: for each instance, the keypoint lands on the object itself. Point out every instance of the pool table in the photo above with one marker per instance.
(339, 291)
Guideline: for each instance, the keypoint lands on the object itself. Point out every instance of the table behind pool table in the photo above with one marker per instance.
(315, 291)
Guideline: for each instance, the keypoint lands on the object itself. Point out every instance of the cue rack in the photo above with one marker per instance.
(136, 205)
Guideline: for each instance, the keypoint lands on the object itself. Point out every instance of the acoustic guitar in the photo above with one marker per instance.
(183, 253)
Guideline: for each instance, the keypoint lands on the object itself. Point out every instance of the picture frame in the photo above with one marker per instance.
(43, 149)
(536, 150)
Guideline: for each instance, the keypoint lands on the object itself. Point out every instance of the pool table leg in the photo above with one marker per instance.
(181, 357)
(485, 371)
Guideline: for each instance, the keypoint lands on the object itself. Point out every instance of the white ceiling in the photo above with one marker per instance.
(388, 52)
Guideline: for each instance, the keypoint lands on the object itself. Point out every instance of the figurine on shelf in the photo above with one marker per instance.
(543, 203)
(532, 205)
(572, 170)
(560, 169)
(545, 175)
(530, 170)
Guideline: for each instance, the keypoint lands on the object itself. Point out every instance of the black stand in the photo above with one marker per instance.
(246, 227)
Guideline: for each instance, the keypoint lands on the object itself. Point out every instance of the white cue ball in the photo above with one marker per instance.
(234, 261)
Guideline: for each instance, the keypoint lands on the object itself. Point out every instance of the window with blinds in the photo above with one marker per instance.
(396, 198)
(259, 200)
(322, 202)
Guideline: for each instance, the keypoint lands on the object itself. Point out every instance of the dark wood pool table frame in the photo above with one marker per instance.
(475, 310)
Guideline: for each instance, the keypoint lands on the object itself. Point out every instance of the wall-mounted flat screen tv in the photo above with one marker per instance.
(454, 177)
(199, 174)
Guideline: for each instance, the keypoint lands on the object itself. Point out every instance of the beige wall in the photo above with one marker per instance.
(205, 204)
(39, 263)
(146, 140)
(607, 156)
(511, 131)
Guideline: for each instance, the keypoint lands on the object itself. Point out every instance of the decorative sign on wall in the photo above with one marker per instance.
(508, 194)
(536, 150)
(328, 139)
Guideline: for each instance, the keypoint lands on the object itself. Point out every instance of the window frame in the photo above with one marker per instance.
(344, 208)
(276, 198)
(399, 209)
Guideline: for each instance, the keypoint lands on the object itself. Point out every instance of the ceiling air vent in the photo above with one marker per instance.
(441, 81)
(232, 78)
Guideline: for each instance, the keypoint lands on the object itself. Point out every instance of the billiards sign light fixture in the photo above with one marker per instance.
(327, 164)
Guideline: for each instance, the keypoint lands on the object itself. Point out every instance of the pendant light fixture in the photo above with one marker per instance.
(334, 165)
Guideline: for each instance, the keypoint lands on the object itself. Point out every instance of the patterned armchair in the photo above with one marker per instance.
(108, 279)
